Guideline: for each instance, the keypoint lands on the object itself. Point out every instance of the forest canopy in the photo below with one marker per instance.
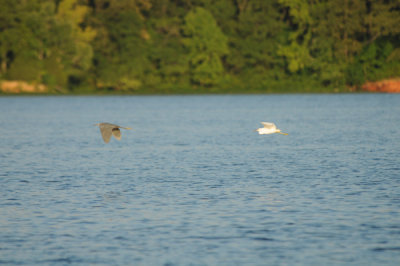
(197, 46)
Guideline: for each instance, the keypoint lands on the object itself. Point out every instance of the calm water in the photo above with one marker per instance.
(193, 184)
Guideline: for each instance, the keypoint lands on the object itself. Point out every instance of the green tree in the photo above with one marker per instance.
(23, 26)
(72, 52)
(207, 44)
(382, 19)
(121, 47)
(296, 52)
(255, 32)
(44, 43)
(73, 15)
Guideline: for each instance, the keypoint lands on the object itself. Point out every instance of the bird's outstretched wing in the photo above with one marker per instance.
(268, 125)
(117, 133)
(116, 126)
(108, 129)
(105, 133)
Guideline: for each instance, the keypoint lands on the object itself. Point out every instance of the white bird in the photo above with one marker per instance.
(269, 128)
(108, 129)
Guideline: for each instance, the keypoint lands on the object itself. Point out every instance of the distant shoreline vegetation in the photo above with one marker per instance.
(198, 46)
(24, 88)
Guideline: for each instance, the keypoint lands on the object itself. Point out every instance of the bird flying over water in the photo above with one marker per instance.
(108, 129)
(269, 128)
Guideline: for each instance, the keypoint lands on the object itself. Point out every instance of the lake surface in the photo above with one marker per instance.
(193, 184)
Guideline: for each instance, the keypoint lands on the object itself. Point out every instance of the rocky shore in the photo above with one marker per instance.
(21, 87)
(388, 86)
(384, 86)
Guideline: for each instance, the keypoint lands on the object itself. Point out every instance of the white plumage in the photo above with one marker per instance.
(269, 128)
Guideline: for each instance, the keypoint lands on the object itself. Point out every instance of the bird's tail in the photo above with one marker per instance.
(283, 133)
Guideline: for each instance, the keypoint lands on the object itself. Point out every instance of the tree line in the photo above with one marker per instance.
(196, 46)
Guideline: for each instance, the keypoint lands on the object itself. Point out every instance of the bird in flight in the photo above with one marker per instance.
(269, 128)
(108, 129)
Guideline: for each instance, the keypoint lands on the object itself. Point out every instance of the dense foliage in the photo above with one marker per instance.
(181, 46)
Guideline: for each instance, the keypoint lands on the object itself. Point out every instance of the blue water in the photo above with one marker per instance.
(193, 184)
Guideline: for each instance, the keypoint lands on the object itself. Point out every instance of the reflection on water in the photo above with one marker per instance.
(192, 183)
